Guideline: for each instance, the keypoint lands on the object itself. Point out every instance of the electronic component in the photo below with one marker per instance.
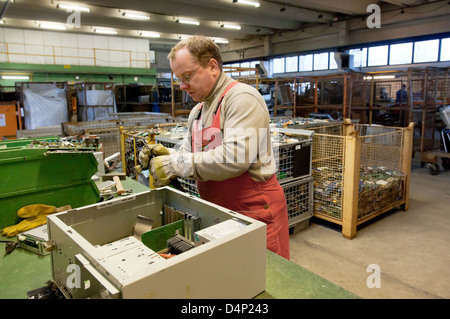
(178, 245)
(33, 240)
(96, 255)
(219, 230)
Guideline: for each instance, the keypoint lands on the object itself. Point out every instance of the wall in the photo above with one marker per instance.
(47, 47)
(58, 56)
(429, 19)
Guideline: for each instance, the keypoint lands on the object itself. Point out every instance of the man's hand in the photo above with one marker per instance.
(149, 151)
(167, 167)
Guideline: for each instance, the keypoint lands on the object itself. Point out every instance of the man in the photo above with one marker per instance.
(228, 148)
(401, 95)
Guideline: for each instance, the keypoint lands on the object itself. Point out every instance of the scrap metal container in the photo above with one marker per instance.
(40, 176)
(299, 199)
(360, 172)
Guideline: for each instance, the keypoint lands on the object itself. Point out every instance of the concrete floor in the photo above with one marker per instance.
(412, 248)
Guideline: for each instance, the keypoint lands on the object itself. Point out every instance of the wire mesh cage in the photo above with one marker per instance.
(108, 131)
(299, 199)
(359, 172)
(293, 162)
(248, 76)
(432, 92)
(133, 140)
(381, 174)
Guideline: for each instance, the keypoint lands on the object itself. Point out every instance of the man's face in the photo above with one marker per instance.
(196, 79)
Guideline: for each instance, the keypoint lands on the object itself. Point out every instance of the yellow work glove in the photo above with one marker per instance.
(149, 151)
(167, 167)
(34, 216)
(160, 171)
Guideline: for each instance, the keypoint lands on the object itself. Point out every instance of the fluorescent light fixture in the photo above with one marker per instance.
(71, 7)
(231, 26)
(15, 77)
(220, 40)
(136, 16)
(378, 77)
(105, 31)
(52, 26)
(248, 2)
(150, 34)
(194, 22)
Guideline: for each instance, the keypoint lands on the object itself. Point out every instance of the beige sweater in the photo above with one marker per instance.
(246, 144)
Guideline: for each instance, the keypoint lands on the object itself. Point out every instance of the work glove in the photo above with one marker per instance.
(167, 167)
(34, 215)
(149, 151)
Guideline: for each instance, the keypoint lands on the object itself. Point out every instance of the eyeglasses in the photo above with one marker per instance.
(187, 78)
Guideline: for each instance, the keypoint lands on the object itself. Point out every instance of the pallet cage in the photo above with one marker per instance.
(108, 131)
(379, 98)
(95, 100)
(293, 162)
(133, 140)
(434, 95)
(321, 94)
(299, 199)
(182, 103)
(248, 76)
(360, 171)
(189, 186)
(293, 159)
(292, 156)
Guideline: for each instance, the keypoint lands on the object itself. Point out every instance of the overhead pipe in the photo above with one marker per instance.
(5, 6)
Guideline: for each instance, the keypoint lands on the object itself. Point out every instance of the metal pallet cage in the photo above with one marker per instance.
(132, 142)
(360, 171)
(299, 199)
(294, 173)
(108, 130)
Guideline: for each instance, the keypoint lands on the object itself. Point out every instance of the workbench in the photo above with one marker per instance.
(23, 271)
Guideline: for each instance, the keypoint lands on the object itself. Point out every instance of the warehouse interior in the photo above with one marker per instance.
(358, 94)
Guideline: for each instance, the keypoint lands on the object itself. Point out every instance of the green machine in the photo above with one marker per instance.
(44, 176)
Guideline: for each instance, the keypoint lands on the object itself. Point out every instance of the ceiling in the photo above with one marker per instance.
(269, 18)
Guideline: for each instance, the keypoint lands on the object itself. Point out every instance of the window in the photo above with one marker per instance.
(377, 55)
(292, 64)
(234, 65)
(359, 57)
(400, 53)
(426, 51)
(253, 66)
(445, 49)
(321, 61)
(245, 65)
(278, 65)
(306, 62)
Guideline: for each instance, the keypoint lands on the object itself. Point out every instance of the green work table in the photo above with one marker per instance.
(23, 271)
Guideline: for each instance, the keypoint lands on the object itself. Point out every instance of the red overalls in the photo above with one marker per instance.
(263, 201)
